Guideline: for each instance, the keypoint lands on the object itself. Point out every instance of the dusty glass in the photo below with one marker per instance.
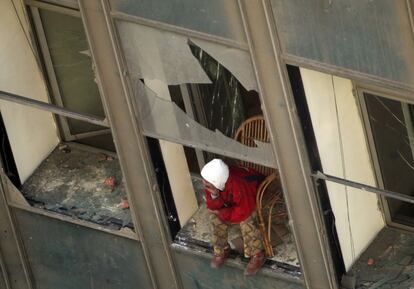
(220, 18)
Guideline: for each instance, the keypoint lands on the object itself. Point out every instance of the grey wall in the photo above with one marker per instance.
(67, 256)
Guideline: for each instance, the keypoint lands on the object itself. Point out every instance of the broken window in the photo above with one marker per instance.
(156, 59)
(343, 151)
(364, 142)
(66, 160)
(392, 131)
(192, 97)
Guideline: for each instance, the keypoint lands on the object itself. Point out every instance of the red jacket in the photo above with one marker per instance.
(238, 199)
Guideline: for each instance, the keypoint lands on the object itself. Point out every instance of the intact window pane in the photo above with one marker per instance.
(72, 65)
(370, 37)
(221, 18)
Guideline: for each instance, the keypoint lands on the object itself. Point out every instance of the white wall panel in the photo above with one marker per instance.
(344, 153)
(32, 133)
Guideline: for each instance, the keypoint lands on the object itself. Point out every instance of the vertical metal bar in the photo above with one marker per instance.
(198, 103)
(410, 15)
(200, 112)
(190, 111)
(143, 192)
(279, 109)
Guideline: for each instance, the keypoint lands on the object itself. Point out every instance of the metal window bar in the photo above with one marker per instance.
(389, 194)
(69, 7)
(53, 108)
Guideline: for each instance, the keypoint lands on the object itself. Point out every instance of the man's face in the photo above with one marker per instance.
(209, 187)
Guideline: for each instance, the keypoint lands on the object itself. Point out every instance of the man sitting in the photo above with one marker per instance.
(231, 199)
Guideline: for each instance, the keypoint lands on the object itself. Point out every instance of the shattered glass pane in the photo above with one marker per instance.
(163, 119)
(391, 122)
(222, 101)
(235, 60)
(154, 54)
(222, 88)
(220, 18)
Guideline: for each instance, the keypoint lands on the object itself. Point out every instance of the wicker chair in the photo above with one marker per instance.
(271, 211)
(269, 200)
(252, 129)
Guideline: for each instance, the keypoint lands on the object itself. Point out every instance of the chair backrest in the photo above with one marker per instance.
(271, 210)
(254, 128)
(269, 198)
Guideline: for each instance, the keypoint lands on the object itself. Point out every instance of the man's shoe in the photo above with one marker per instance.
(256, 262)
(219, 260)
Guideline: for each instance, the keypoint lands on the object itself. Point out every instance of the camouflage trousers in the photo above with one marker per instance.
(252, 238)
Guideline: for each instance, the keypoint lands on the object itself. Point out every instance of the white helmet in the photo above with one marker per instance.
(216, 172)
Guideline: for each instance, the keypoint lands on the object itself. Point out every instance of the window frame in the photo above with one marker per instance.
(58, 111)
(360, 90)
(43, 49)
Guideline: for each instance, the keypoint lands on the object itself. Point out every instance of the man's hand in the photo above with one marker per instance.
(214, 195)
(214, 192)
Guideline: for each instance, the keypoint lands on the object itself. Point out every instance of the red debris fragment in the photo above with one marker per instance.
(111, 182)
(105, 157)
(371, 261)
(124, 204)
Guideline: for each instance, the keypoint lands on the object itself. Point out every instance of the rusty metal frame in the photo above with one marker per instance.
(279, 108)
(143, 191)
